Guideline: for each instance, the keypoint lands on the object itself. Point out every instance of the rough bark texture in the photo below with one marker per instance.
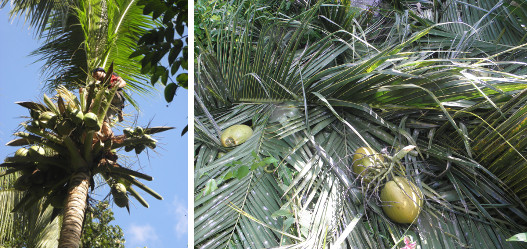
(70, 234)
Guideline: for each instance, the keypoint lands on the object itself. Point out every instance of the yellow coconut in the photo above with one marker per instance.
(367, 163)
(235, 135)
(401, 200)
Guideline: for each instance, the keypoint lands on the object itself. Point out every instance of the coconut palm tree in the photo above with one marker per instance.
(318, 81)
(63, 151)
(79, 36)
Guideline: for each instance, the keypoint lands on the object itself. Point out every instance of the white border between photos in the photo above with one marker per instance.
(190, 209)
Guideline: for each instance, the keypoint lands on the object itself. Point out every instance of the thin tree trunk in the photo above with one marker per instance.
(70, 234)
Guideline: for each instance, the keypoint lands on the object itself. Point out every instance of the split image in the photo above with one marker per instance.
(263, 124)
(94, 105)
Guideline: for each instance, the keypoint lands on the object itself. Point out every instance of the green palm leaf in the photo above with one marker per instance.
(90, 34)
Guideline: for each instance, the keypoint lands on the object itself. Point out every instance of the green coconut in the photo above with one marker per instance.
(38, 177)
(37, 190)
(77, 116)
(36, 124)
(128, 148)
(128, 132)
(58, 200)
(47, 120)
(152, 145)
(367, 163)
(236, 135)
(65, 128)
(139, 131)
(120, 200)
(108, 144)
(91, 121)
(139, 148)
(119, 195)
(22, 183)
(22, 152)
(119, 188)
(36, 151)
(34, 114)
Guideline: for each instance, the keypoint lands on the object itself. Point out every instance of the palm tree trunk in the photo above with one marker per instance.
(70, 234)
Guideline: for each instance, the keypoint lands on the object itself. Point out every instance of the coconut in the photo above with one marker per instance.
(108, 144)
(139, 131)
(38, 177)
(120, 200)
(152, 145)
(402, 200)
(65, 127)
(42, 166)
(47, 119)
(367, 163)
(119, 195)
(36, 151)
(128, 148)
(22, 183)
(36, 124)
(37, 190)
(91, 121)
(128, 132)
(22, 152)
(119, 188)
(139, 148)
(77, 116)
(236, 135)
(34, 114)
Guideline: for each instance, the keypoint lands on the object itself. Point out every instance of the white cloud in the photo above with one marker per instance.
(180, 212)
(140, 234)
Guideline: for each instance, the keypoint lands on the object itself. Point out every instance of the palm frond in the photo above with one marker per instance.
(35, 221)
(94, 34)
(37, 13)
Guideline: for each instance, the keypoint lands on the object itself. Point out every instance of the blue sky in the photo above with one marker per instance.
(165, 223)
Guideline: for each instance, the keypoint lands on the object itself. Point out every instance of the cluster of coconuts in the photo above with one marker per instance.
(58, 137)
(64, 119)
(39, 177)
(402, 200)
(139, 132)
(42, 171)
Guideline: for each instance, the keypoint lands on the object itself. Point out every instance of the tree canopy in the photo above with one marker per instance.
(167, 38)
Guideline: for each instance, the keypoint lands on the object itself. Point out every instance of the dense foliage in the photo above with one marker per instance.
(98, 233)
(435, 91)
(168, 38)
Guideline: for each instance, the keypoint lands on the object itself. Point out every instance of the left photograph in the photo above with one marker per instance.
(93, 130)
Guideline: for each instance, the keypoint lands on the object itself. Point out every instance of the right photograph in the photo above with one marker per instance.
(360, 124)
